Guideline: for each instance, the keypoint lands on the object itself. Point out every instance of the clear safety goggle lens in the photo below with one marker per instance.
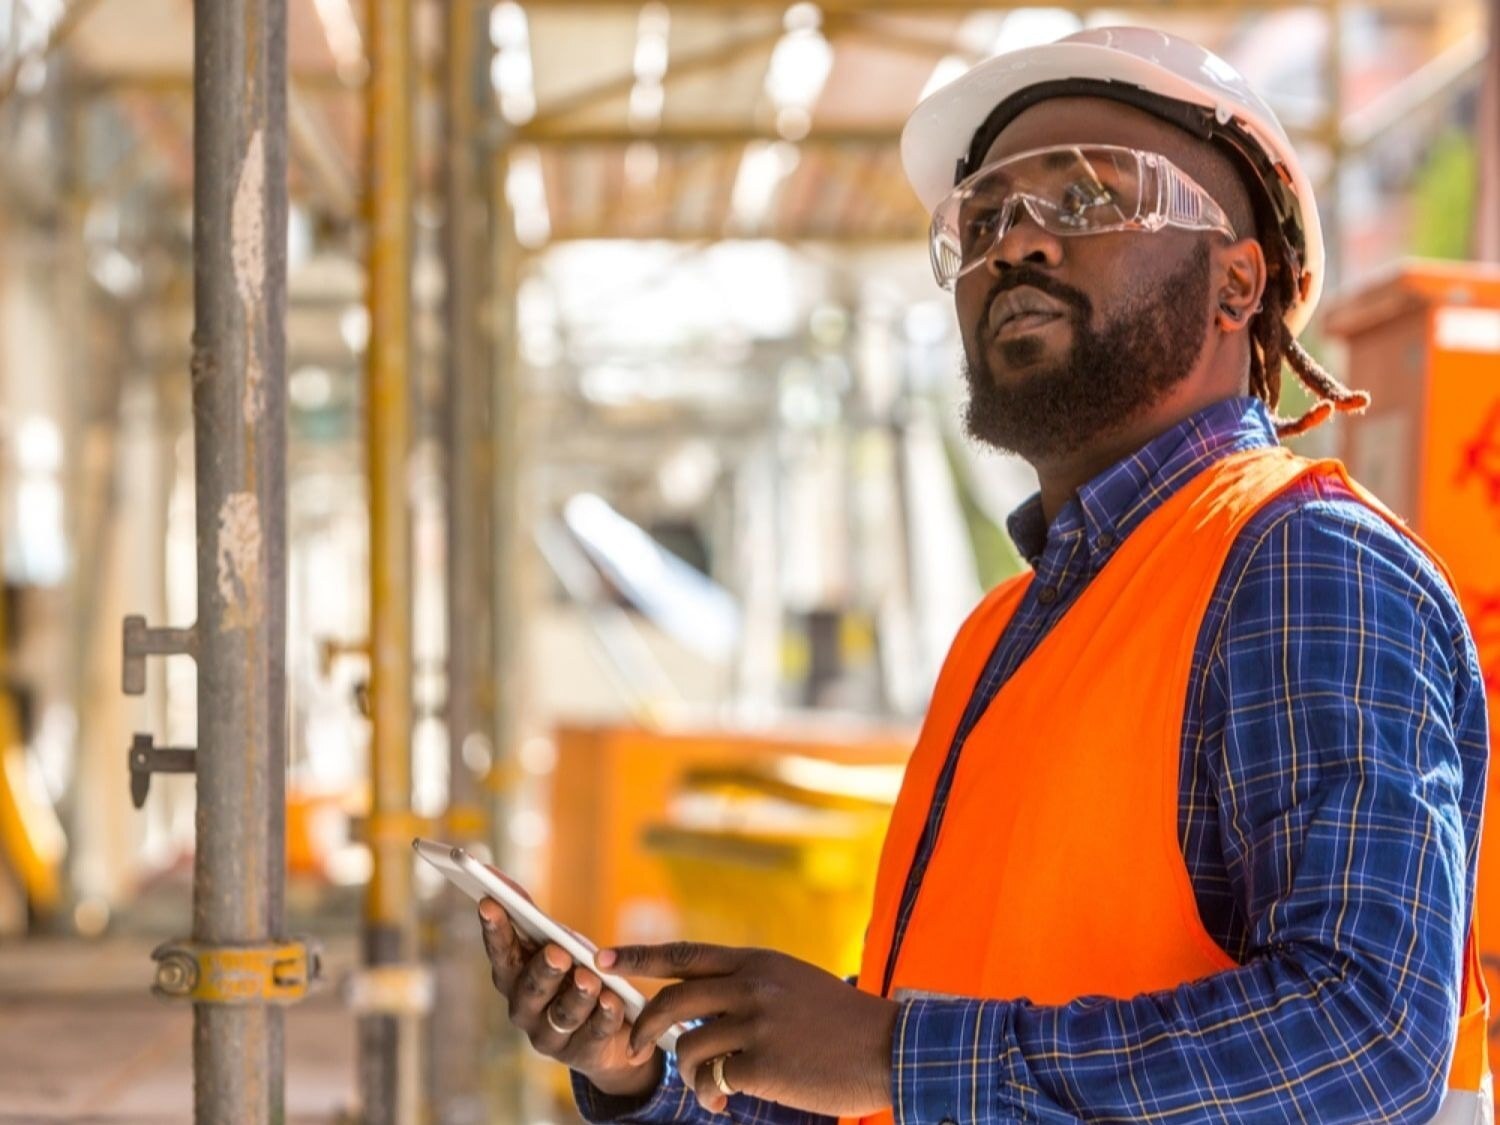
(1068, 190)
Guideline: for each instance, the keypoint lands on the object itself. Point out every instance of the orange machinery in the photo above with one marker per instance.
(613, 784)
(1425, 342)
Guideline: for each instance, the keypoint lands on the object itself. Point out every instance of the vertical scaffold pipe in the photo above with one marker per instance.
(239, 424)
(389, 1047)
(457, 1041)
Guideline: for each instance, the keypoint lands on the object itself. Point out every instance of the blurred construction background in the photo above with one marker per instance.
(589, 447)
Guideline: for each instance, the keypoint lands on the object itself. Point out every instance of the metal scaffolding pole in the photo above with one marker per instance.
(457, 1038)
(239, 416)
(391, 1004)
(238, 964)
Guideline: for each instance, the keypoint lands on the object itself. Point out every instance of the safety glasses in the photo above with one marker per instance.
(1067, 190)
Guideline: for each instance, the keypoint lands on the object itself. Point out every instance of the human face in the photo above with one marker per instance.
(1069, 338)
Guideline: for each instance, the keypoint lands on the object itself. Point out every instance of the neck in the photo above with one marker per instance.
(1063, 476)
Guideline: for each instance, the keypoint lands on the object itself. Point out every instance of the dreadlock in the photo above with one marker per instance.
(1272, 343)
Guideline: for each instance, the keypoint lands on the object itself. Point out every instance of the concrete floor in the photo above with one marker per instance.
(82, 1039)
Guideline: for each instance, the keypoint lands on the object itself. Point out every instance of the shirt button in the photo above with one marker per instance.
(1106, 541)
(1047, 595)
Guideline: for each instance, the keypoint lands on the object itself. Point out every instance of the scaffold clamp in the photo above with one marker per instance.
(140, 642)
(276, 973)
(147, 758)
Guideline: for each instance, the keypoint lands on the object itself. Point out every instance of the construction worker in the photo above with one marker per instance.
(1191, 827)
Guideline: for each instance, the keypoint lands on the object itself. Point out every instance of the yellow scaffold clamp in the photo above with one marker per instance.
(276, 973)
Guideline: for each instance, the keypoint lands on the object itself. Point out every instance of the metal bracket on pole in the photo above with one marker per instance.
(278, 973)
(332, 649)
(466, 822)
(141, 642)
(146, 759)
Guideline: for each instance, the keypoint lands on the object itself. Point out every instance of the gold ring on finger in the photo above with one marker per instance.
(719, 1080)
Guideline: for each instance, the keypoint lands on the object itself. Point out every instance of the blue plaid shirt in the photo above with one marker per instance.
(1334, 753)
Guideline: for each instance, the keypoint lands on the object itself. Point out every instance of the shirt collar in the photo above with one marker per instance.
(1116, 501)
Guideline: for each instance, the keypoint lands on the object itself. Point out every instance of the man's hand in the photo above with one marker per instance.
(794, 1034)
(543, 983)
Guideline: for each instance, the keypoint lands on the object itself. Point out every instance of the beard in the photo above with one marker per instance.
(1110, 375)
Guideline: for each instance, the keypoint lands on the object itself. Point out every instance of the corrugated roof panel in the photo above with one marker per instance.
(121, 37)
(575, 49)
(872, 82)
(732, 92)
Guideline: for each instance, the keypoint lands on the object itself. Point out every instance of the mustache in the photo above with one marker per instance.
(1018, 276)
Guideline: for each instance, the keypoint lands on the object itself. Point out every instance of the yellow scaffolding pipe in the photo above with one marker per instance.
(389, 1041)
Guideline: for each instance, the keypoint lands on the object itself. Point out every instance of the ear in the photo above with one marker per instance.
(1240, 277)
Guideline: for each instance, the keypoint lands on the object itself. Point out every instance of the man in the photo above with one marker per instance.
(1190, 832)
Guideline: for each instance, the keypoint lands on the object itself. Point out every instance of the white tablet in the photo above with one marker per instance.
(478, 882)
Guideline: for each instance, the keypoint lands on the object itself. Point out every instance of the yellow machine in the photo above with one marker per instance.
(781, 855)
(30, 840)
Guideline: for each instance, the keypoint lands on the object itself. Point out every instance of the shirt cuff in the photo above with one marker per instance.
(664, 1104)
(956, 1062)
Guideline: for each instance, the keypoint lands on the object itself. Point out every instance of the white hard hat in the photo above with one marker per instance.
(1163, 74)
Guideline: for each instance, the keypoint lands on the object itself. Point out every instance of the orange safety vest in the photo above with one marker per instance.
(1058, 872)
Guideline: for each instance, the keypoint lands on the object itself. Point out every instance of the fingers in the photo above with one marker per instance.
(706, 1089)
(563, 1010)
(737, 1069)
(607, 1018)
(573, 1003)
(697, 1049)
(689, 1000)
(506, 952)
(535, 988)
(678, 959)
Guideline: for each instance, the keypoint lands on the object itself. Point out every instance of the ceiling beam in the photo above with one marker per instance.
(902, 39)
(952, 7)
(722, 55)
(179, 83)
(718, 134)
(732, 134)
(855, 238)
(713, 58)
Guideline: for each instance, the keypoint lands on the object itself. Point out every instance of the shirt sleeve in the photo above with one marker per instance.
(1340, 720)
(672, 1103)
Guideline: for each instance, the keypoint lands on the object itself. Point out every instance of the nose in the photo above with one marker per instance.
(1025, 241)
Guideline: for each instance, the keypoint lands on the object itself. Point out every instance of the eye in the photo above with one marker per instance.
(1082, 196)
(980, 224)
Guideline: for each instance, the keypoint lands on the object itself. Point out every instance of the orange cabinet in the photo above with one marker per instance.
(1425, 342)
